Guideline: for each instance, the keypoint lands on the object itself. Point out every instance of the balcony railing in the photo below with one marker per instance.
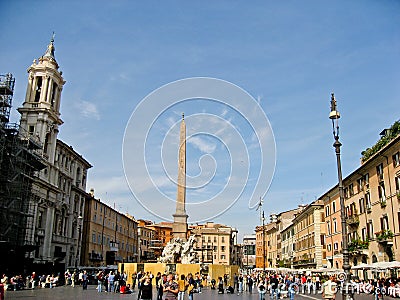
(93, 256)
(353, 220)
(384, 236)
(61, 239)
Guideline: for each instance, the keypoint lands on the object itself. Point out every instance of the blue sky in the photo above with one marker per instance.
(289, 55)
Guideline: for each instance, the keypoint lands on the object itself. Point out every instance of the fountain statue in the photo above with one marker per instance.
(177, 248)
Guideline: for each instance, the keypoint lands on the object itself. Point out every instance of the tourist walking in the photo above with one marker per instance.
(240, 283)
(262, 289)
(181, 287)
(159, 286)
(100, 276)
(134, 280)
(250, 284)
(236, 282)
(84, 280)
(274, 286)
(329, 289)
(111, 278)
(190, 285)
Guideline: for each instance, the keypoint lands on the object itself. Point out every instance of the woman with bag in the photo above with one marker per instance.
(191, 285)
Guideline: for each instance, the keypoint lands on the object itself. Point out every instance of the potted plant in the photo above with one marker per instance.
(384, 235)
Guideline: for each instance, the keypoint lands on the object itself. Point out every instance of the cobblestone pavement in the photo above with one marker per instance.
(68, 292)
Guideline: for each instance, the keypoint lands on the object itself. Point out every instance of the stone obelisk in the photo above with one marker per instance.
(179, 227)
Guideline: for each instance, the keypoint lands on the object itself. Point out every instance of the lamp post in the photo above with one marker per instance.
(334, 116)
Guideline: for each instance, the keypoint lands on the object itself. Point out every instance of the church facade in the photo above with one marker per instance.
(60, 187)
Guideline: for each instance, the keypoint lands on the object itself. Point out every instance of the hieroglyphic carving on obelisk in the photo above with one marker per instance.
(179, 227)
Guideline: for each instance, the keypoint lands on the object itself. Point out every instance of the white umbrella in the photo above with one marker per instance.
(363, 267)
(383, 265)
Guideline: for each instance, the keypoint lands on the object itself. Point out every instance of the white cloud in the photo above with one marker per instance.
(88, 110)
(202, 145)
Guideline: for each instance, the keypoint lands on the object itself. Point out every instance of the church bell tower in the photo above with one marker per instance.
(40, 112)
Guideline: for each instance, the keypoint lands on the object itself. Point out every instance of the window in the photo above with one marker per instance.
(329, 247)
(379, 172)
(334, 225)
(384, 223)
(94, 218)
(351, 189)
(397, 183)
(223, 239)
(346, 193)
(370, 229)
(368, 201)
(366, 180)
(362, 205)
(327, 210)
(333, 206)
(359, 185)
(93, 238)
(396, 159)
(99, 239)
(223, 248)
(328, 225)
(381, 192)
(335, 246)
(364, 235)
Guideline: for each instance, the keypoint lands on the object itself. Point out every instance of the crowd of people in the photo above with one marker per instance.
(180, 287)
(18, 282)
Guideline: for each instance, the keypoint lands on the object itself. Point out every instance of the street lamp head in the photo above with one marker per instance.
(334, 114)
(80, 217)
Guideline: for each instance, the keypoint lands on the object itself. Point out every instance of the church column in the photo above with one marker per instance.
(30, 87)
(48, 232)
(49, 90)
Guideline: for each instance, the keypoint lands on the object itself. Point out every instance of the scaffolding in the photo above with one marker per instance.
(7, 83)
(20, 161)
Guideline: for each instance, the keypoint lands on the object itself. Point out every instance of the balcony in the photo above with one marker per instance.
(93, 256)
(353, 220)
(61, 239)
(384, 236)
(358, 247)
